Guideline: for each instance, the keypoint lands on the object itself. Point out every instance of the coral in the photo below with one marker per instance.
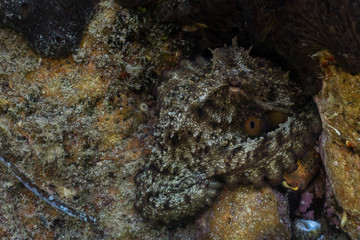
(306, 200)
(309, 203)
(51, 28)
(201, 136)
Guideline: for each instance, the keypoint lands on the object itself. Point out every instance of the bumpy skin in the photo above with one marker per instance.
(52, 28)
(200, 139)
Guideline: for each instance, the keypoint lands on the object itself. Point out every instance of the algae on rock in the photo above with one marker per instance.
(339, 107)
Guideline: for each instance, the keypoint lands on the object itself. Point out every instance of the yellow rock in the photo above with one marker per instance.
(249, 213)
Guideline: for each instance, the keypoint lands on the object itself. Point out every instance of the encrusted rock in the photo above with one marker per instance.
(249, 213)
(51, 28)
(339, 107)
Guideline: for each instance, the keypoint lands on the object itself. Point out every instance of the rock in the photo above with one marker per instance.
(51, 28)
(249, 213)
(78, 128)
(339, 107)
(306, 229)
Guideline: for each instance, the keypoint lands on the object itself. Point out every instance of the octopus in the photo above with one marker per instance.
(307, 169)
(232, 120)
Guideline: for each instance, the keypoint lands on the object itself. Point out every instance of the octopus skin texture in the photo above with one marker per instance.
(236, 119)
(51, 28)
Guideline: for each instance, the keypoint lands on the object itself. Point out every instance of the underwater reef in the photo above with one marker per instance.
(122, 112)
(78, 128)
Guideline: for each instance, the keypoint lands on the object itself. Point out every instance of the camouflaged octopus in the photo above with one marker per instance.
(236, 119)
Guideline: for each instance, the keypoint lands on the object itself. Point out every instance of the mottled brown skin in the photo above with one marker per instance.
(200, 137)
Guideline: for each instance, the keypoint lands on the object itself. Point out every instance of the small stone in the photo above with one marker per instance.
(306, 230)
(249, 213)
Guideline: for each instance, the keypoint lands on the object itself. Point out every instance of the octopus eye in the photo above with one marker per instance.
(254, 125)
(269, 121)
